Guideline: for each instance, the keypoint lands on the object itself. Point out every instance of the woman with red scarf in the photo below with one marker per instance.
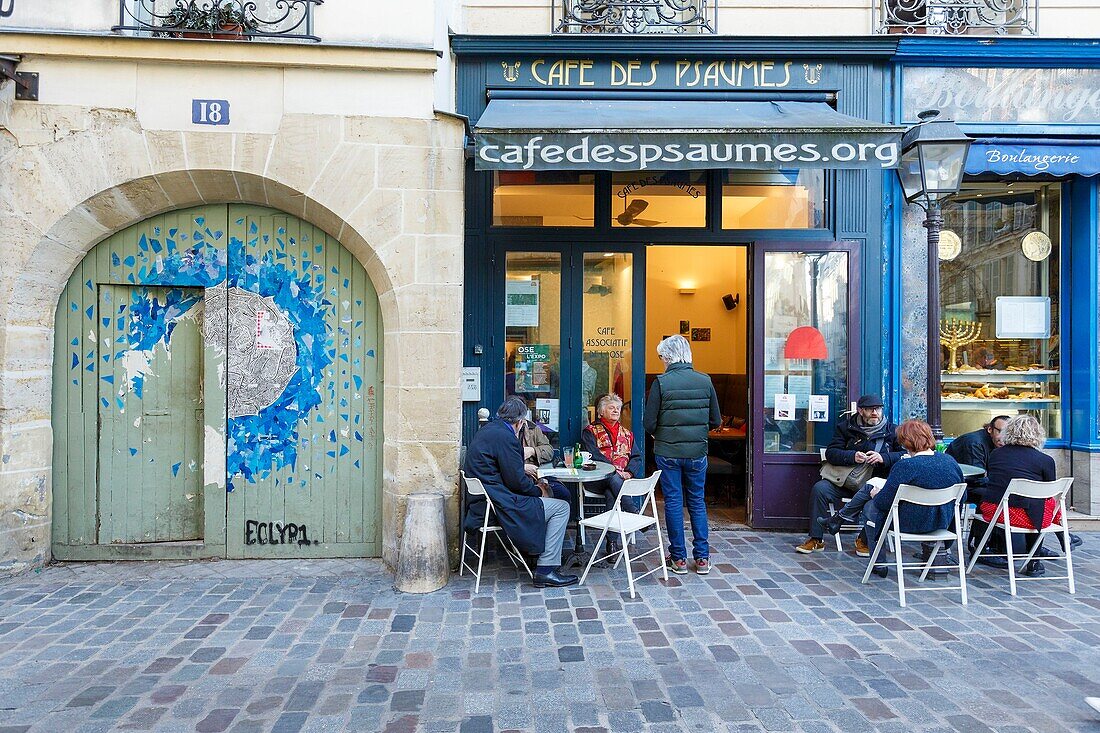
(610, 442)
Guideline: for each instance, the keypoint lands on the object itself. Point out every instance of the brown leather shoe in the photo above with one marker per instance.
(811, 545)
(862, 550)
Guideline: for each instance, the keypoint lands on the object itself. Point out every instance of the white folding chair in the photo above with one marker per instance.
(624, 523)
(1028, 489)
(476, 488)
(592, 503)
(892, 529)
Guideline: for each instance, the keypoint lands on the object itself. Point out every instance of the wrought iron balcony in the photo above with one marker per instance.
(635, 16)
(239, 20)
(958, 17)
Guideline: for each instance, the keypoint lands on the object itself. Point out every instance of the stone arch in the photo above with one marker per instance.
(72, 192)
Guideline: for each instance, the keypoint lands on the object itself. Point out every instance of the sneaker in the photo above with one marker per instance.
(702, 565)
(680, 567)
(811, 545)
(862, 550)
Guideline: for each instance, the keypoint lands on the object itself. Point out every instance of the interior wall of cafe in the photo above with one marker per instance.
(713, 271)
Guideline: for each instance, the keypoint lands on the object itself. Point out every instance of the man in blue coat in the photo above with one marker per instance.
(527, 511)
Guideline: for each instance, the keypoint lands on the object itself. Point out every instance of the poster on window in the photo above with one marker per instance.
(532, 370)
(819, 408)
(784, 407)
(521, 303)
(546, 413)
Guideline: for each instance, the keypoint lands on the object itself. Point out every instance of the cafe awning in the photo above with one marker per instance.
(1016, 156)
(630, 135)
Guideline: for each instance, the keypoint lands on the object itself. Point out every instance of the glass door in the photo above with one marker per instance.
(805, 369)
(532, 336)
(607, 354)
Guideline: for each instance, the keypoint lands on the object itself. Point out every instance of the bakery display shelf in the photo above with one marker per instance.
(1035, 375)
(973, 403)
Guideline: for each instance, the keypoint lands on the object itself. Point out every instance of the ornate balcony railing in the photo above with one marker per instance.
(241, 20)
(958, 17)
(635, 16)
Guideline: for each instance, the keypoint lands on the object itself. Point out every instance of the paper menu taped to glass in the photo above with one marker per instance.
(773, 384)
(1023, 317)
(819, 408)
(799, 385)
(784, 407)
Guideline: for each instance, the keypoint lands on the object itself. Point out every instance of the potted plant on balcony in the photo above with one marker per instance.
(222, 20)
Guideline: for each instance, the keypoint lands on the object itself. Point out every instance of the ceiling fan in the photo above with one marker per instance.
(636, 207)
(631, 211)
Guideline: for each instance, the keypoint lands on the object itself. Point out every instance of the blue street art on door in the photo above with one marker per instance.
(265, 309)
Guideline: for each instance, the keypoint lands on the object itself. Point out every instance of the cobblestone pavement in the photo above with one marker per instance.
(770, 640)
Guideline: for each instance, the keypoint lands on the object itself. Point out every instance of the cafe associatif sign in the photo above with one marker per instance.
(553, 131)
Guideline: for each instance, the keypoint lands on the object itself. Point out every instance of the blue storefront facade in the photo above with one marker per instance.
(1019, 275)
(577, 264)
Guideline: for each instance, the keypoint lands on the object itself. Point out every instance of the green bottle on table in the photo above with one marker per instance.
(577, 460)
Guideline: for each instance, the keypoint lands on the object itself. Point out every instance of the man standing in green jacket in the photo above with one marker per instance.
(680, 409)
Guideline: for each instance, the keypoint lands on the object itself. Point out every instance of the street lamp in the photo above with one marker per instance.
(933, 156)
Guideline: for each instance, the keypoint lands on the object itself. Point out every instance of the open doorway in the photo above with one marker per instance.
(700, 292)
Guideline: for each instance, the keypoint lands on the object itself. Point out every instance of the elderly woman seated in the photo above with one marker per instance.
(610, 442)
(922, 467)
(1021, 456)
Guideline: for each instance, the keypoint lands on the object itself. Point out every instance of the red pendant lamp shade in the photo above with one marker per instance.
(805, 342)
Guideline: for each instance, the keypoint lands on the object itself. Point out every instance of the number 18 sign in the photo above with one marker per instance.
(210, 111)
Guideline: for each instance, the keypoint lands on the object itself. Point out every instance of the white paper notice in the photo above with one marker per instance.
(799, 385)
(819, 408)
(546, 412)
(773, 385)
(784, 407)
(521, 303)
(1023, 317)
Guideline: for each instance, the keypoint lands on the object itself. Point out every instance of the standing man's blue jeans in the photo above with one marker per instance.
(680, 476)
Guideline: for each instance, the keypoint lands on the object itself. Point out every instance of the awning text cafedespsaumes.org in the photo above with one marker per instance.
(626, 135)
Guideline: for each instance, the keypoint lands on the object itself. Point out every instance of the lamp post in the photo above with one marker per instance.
(933, 156)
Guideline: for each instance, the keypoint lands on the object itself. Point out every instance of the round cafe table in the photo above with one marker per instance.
(579, 477)
(971, 472)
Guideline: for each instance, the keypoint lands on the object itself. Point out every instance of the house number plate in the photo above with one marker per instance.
(210, 111)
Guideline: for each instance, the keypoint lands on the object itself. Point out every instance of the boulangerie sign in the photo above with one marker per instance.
(1020, 96)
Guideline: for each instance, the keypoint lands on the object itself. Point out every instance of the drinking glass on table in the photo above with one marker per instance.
(567, 453)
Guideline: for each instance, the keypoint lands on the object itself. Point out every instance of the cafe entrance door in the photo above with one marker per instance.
(805, 369)
(569, 324)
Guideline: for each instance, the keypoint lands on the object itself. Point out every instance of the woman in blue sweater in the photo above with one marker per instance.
(922, 467)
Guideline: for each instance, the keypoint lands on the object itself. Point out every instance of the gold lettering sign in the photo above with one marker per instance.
(683, 74)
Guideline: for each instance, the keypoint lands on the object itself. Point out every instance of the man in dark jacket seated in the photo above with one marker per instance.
(974, 448)
(527, 511)
(865, 437)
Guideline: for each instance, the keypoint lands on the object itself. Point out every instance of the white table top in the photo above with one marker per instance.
(577, 475)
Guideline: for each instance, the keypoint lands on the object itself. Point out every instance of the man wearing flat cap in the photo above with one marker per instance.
(862, 439)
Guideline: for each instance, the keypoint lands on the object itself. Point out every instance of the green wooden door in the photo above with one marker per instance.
(150, 440)
(304, 334)
(222, 351)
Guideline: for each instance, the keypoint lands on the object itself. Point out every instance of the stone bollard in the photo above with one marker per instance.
(423, 566)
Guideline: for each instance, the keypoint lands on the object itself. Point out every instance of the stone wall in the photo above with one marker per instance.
(389, 188)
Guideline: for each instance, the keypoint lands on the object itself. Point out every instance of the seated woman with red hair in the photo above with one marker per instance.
(922, 467)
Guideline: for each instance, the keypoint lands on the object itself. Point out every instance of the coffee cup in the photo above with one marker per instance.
(585, 456)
